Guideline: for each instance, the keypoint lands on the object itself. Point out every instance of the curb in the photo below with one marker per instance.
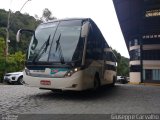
(147, 84)
(3, 84)
(134, 83)
(151, 84)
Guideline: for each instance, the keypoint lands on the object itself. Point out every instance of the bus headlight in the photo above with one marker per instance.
(76, 69)
(72, 71)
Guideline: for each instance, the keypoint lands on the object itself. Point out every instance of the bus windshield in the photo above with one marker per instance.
(57, 42)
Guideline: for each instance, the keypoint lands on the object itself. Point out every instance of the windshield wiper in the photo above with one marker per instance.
(44, 48)
(72, 63)
(58, 47)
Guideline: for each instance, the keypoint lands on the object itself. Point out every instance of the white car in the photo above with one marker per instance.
(14, 77)
(122, 79)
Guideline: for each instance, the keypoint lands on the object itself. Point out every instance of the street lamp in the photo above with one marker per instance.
(7, 29)
(24, 5)
(7, 39)
(7, 33)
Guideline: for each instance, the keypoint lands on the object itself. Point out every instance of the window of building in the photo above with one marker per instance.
(151, 74)
(152, 13)
(135, 54)
(151, 55)
(130, 43)
(151, 36)
(148, 74)
(135, 41)
(135, 68)
(151, 41)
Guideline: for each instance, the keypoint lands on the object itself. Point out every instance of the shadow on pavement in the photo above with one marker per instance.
(85, 95)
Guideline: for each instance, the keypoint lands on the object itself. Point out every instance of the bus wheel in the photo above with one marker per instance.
(114, 81)
(96, 82)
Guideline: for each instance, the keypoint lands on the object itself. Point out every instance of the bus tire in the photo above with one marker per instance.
(114, 81)
(96, 82)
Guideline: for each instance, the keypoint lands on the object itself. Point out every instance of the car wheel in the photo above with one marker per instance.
(123, 81)
(20, 80)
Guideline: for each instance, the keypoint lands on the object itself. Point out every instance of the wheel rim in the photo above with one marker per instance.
(21, 81)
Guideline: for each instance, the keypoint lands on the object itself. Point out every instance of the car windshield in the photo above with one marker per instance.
(57, 42)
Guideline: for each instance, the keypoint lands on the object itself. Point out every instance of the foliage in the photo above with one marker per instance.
(2, 57)
(17, 21)
(47, 15)
(13, 62)
(123, 64)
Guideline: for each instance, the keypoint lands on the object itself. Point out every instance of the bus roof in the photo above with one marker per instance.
(66, 19)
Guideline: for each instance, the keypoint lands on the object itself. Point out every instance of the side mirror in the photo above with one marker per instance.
(116, 64)
(85, 29)
(20, 32)
(18, 35)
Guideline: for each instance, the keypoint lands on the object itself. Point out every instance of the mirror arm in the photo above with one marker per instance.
(21, 31)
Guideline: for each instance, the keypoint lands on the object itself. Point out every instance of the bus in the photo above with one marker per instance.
(68, 54)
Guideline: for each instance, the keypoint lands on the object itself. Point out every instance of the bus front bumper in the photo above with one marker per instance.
(75, 82)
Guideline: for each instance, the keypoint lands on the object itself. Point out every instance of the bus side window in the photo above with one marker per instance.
(90, 46)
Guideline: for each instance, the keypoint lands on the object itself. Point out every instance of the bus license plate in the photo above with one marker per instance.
(45, 82)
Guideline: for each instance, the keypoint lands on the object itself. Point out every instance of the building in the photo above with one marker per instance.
(140, 24)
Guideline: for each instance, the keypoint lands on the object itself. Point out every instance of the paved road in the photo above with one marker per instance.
(18, 99)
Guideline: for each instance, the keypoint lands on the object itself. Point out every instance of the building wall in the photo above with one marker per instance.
(150, 60)
(141, 30)
(135, 77)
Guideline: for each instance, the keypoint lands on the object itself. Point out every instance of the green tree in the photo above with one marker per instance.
(17, 21)
(47, 15)
(15, 62)
(123, 64)
(2, 58)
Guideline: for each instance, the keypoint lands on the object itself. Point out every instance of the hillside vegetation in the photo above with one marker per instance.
(16, 56)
